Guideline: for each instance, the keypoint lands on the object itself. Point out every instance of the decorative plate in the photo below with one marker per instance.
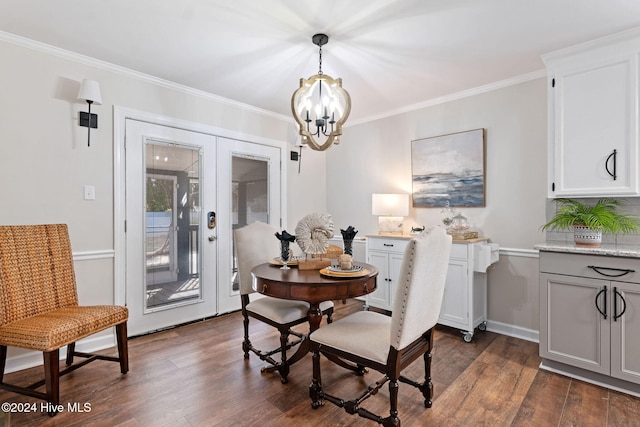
(337, 269)
(344, 273)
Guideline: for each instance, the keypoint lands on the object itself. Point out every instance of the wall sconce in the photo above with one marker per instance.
(90, 92)
(391, 210)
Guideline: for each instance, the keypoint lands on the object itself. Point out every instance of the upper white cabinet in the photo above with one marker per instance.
(593, 118)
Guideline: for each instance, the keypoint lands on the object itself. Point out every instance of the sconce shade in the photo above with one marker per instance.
(390, 204)
(90, 92)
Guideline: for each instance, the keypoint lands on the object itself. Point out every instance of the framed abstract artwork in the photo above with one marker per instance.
(449, 168)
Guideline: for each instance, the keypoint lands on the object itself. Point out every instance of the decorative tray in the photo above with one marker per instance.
(278, 261)
(336, 271)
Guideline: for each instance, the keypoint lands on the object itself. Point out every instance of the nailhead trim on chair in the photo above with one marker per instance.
(406, 287)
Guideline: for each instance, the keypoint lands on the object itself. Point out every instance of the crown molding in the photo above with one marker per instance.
(107, 66)
(455, 96)
(103, 65)
(628, 39)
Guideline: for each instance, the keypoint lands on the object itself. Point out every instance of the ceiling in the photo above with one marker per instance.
(392, 55)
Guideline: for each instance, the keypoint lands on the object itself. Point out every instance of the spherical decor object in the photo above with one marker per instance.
(313, 233)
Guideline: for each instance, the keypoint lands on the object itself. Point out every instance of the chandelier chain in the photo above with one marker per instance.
(320, 61)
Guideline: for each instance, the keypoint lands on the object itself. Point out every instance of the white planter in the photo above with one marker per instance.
(585, 236)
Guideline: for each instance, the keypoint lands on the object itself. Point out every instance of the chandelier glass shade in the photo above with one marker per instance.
(320, 106)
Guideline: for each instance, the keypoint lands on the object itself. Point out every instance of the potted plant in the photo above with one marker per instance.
(588, 222)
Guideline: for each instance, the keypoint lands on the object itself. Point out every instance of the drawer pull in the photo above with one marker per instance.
(264, 288)
(388, 244)
(620, 271)
(602, 291)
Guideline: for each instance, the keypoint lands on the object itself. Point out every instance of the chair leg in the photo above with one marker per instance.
(427, 386)
(123, 347)
(284, 366)
(52, 376)
(3, 360)
(246, 343)
(392, 420)
(71, 348)
(315, 389)
(330, 315)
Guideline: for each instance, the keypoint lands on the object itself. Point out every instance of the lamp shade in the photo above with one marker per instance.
(390, 204)
(90, 92)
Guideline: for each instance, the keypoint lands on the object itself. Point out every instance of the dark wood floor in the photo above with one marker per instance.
(195, 375)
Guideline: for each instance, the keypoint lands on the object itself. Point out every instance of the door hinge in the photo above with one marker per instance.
(125, 226)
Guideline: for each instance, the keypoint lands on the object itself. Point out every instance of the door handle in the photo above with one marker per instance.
(602, 291)
(617, 294)
(612, 173)
(213, 238)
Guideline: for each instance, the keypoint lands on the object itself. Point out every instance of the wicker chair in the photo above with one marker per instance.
(39, 306)
(390, 344)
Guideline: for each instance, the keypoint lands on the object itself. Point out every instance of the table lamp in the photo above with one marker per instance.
(391, 210)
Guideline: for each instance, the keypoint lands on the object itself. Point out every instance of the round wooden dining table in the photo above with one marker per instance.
(313, 287)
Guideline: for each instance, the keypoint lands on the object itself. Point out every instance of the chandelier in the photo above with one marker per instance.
(320, 106)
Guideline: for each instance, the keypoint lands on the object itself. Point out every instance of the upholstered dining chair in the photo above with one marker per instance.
(390, 344)
(256, 244)
(39, 306)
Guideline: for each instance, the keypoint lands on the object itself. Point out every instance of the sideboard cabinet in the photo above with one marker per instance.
(464, 305)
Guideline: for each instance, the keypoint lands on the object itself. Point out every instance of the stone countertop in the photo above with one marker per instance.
(619, 250)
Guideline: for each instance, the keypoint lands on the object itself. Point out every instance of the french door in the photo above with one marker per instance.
(249, 190)
(171, 226)
(185, 193)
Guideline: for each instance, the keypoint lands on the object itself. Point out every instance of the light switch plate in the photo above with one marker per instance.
(89, 192)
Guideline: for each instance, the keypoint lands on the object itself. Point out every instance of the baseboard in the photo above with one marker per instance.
(513, 331)
(591, 377)
(34, 358)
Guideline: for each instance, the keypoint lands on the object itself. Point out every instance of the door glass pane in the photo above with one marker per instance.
(250, 196)
(172, 225)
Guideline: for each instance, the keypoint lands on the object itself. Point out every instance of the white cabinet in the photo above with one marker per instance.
(593, 119)
(386, 253)
(590, 313)
(464, 304)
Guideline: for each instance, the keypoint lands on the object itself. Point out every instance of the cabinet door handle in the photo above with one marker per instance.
(617, 294)
(606, 164)
(602, 291)
(621, 271)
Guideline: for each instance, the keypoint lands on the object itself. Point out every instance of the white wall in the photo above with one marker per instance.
(375, 157)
